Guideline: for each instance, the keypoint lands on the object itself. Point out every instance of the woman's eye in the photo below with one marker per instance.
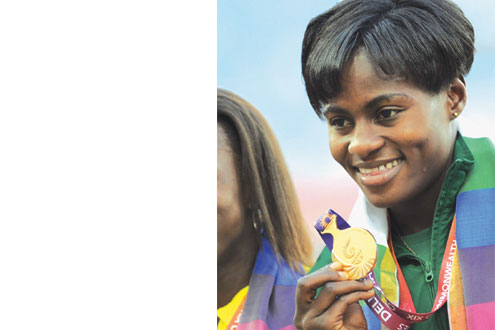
(388, 113)
(340, 122)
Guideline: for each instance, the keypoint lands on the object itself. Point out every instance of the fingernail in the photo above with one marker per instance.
(335, 265)
(372, 290)
(344, 275)
(368, 282)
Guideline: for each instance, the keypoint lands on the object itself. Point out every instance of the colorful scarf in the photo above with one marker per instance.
(270, 302)
(471, 301)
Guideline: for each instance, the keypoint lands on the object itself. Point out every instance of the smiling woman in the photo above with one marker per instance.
(383, 122)
(388, 77)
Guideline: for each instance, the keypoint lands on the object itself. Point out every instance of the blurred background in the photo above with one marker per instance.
(258, 58)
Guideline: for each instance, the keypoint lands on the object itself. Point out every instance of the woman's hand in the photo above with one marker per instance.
(336, 307)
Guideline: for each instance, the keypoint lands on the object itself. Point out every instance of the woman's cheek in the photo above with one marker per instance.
(338, 150)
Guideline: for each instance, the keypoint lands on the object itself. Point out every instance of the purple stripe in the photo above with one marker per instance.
(327, 237)
(341, 223)
(275, 307)
(477, 269)
(475, 214)
(256, 306)
(283, 307)
(260, 325)
(267, 264)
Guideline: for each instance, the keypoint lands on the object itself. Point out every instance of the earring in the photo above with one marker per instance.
(255, 224)
(257, 220)
(455, 114)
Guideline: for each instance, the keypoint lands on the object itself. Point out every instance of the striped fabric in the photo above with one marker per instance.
(270, 303)
(475, 233)
(471, 302)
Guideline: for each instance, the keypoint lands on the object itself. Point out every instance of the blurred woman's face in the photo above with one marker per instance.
(230, 210)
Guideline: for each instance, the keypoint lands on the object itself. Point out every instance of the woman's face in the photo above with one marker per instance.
(394, 139)
(230, 210)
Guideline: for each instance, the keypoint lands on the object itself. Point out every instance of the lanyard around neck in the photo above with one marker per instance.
(392, 316)
(403, 317)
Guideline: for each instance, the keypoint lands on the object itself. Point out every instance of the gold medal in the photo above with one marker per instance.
(354, 248)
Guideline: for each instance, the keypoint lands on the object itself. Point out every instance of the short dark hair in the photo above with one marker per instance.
(265, 179)
(426, 42)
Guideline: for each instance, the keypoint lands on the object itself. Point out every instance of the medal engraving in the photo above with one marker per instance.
(354, 248)
(351, 253)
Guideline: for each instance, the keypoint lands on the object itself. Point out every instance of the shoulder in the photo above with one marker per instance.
(482, 144)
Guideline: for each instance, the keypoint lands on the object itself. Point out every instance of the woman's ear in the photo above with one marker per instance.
(457, 97)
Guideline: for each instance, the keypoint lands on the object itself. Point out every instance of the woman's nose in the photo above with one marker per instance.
(365, 140)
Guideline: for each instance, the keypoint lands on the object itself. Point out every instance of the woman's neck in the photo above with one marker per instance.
(411, 220)
(234, 271)
(417, 214)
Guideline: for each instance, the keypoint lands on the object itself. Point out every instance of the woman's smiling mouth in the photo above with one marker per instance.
(379, 174)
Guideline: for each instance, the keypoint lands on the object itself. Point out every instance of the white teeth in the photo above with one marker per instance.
(379, 168)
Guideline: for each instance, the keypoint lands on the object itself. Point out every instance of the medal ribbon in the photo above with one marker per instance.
(402, 318)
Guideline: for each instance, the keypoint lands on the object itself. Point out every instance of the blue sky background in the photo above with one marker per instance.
(259, 45)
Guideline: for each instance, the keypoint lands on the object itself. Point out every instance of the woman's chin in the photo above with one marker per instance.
(380, 200)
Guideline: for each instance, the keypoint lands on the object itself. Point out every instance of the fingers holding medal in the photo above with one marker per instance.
(329, 298)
